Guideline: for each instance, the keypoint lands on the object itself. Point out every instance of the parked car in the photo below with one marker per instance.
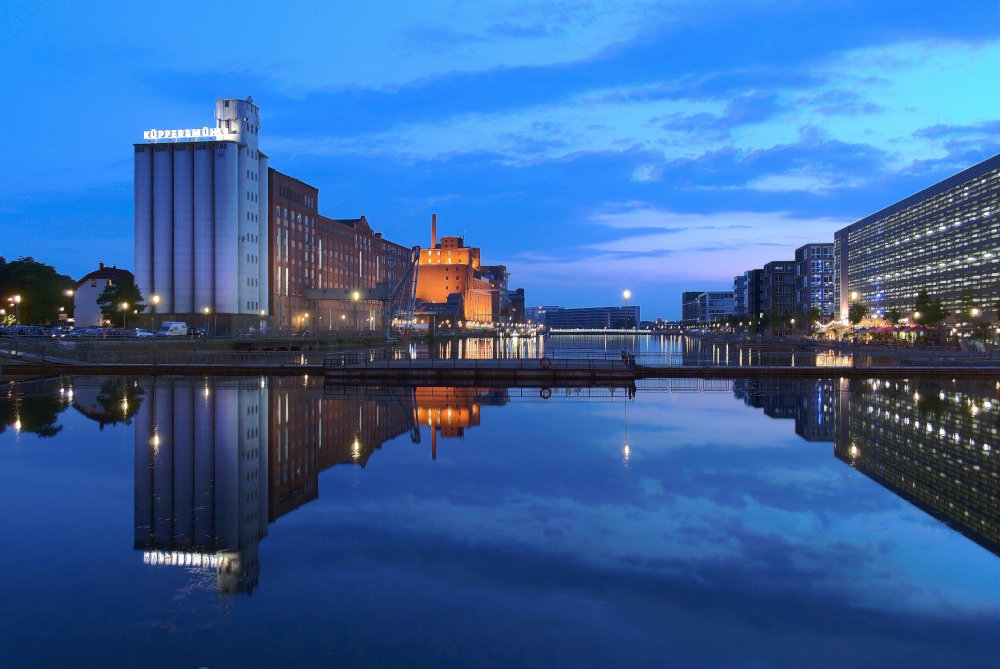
(198, 332)
(140, 333)
(172, 329)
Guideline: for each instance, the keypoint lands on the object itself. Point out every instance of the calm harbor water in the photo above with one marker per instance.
(192, 522)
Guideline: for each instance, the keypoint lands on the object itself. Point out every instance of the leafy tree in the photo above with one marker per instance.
(893, 316)
(41, 287)
(121, 398)
(967, 302)
(932, 310)
(857, 312)
(814, 316)
(122, 289)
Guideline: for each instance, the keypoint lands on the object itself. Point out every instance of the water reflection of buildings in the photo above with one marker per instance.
(811, 403)
(201, 477)
(217, 460)
(448, 411)
(932, 444)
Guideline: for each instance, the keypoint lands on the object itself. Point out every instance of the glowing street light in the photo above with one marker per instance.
(16, 300)
(124, 308)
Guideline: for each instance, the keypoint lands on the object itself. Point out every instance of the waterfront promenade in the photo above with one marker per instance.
(390, 364)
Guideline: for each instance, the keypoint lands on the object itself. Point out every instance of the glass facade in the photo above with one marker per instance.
(944, 239)
(814, 278)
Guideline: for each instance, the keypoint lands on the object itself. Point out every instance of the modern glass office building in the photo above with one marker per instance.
(944, 239)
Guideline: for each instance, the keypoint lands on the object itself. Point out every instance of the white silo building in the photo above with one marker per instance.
(201, 220)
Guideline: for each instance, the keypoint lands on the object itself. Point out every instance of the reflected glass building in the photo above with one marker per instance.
(811, 403)
(932, 444)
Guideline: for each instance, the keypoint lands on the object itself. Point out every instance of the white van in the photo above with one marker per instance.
(172, 329)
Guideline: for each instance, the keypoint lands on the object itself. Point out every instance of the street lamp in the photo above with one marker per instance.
(154, 300)
(627, 294)
(17, 309)
(124, 307)
(357, 326)
(206, 311)
(854, 294)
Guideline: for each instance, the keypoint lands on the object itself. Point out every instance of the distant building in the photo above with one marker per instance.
(517, 313)
(944, 239)
(497, 276)
(690, 306)
(753, 285)
(450, 267)
(778, 288)
(740, 295)
(814, 279)
(705, 307)
(592, 318)
(86, 313)
(537, 315)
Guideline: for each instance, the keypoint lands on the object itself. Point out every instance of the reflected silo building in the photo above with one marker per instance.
(201, 477)
(218, 459)
(201, 219)
(932, 444)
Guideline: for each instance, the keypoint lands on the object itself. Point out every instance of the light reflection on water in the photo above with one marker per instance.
(279, 505)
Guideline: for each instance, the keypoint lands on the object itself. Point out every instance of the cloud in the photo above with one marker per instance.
(876, 102)
(668, 247)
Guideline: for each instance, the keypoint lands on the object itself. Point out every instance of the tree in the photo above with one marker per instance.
(893, 316)
(35, 415)
(42, 289)
(122, 289)
(967, 302)
(121, 398)
(932, 311)
(814, 316)
(857, 312)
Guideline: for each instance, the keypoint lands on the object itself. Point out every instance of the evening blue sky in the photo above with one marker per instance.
(590, 146)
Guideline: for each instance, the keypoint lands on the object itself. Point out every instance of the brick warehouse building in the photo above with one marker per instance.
(452, 268)
(308, 250)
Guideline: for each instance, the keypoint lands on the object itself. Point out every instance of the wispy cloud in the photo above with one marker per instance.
(666, 247)
(881, 100)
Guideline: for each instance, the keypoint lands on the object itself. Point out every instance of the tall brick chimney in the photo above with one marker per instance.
(434, 230)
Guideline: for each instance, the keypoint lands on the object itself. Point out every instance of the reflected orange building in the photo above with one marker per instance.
(452, 268)
(449, 411)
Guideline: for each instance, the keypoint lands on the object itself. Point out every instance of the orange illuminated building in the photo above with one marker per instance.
(452, 268)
